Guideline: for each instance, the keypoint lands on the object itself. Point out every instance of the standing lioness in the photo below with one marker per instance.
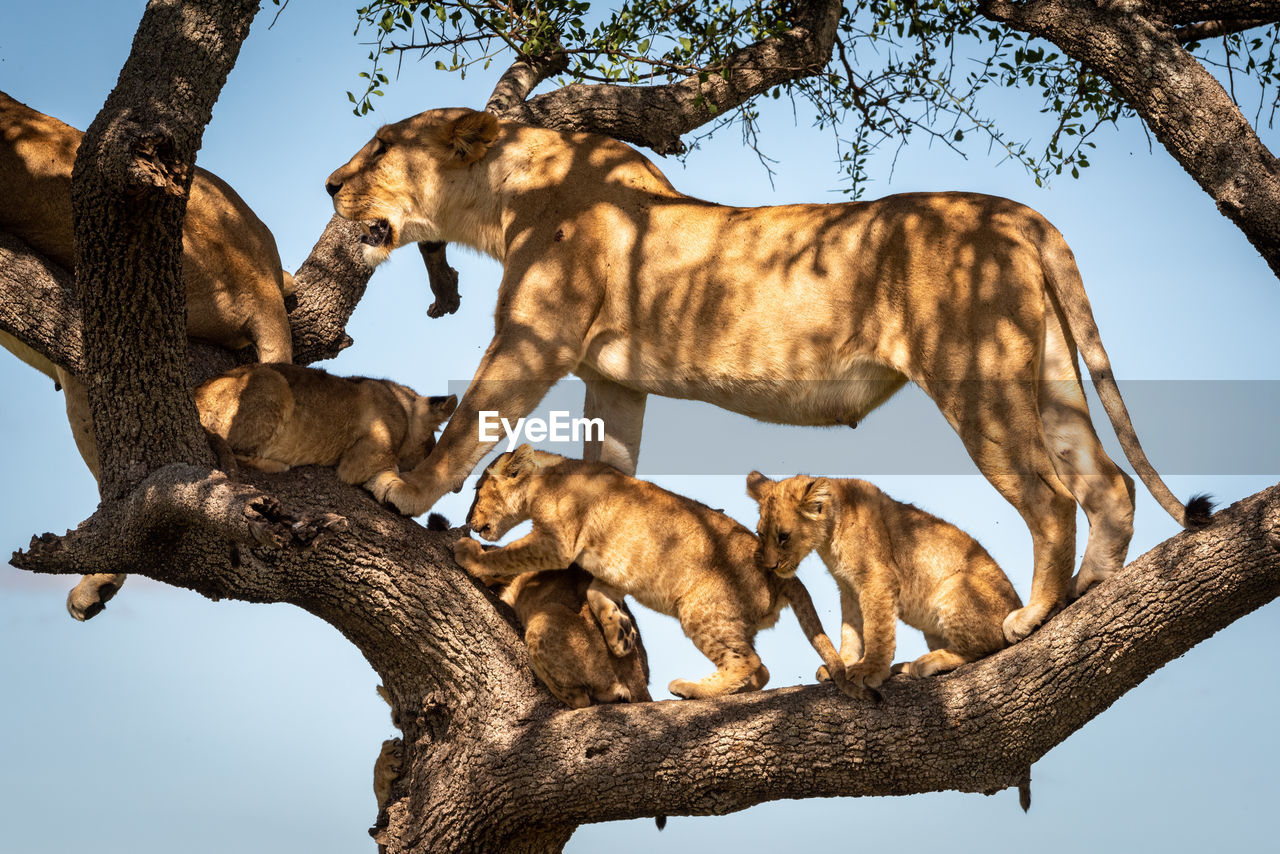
(797, 314)
(673, 554)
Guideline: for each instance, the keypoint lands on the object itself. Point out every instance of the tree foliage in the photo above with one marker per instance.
(901, 69)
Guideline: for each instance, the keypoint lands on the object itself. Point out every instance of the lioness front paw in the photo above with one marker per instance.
(1023, 622)
(402, 495)
(467, 552)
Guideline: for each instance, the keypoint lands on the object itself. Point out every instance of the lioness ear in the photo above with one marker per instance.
(469, 137)
(758, 486)
(816, 500)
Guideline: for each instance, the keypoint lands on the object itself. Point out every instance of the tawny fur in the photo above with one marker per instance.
(891, 561)
(802, 314)
(275, 417)
(231, 267)
(671, 553)
(566, 648)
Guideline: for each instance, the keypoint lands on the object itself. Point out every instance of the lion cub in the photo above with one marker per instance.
(566, 649)
(673, 554)
(278, 416)
(889, 560)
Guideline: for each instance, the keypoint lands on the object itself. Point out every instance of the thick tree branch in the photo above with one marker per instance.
(534, 771)
(329, 285)
(38, 304)
(657, 116)
(129, 192)
(1181, 102)
(520, 79)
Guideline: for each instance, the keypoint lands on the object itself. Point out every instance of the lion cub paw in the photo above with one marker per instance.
(685, 689)
(467, 552)
(867, 673)
(619, 634)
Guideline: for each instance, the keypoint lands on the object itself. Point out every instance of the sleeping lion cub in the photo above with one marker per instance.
(889, 560)
(673, 554)
(278, 416)
(566, 649)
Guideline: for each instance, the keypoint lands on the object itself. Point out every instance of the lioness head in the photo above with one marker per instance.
(402, 186)
(501, 492)
(795, 518)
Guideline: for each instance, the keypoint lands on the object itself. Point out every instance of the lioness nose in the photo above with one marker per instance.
(332, 187)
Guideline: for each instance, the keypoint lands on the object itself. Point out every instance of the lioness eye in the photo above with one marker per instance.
(783, 536)
(379, 148)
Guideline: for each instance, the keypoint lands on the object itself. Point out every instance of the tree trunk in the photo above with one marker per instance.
(1184, 105)
(129, 194)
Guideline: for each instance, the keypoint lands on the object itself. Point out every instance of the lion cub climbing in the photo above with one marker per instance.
(673, 554)
(889, 560)
(278, 416)
(566, 649)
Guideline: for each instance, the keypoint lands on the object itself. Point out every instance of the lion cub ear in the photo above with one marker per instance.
(468, 138)
(442, 407)
(521, 460)
(758, 486)
(816, 500)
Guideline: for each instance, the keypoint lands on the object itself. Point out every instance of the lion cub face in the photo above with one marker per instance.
(499, 504)
(404, 179)
(793, 520)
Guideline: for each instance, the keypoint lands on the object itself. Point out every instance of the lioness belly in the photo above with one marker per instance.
(819, 395)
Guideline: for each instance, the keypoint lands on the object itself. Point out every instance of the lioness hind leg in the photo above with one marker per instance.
(1003, 436)
(1098, 484)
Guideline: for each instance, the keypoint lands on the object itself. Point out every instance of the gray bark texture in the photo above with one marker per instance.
(491, 761)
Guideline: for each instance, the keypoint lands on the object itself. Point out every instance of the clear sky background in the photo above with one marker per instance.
(173, 723)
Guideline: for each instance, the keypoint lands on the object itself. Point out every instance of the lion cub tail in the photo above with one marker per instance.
(1063, 276)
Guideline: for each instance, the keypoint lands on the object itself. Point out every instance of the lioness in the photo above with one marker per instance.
(566, 649)
(890, 560)
(799, 314)
(278, 416)
(235, 287)
(673, 554)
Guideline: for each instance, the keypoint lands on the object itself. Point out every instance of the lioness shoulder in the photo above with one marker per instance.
(275, 417)
(890, 560)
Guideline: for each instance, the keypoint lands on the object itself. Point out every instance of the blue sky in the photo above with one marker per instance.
(173, 722)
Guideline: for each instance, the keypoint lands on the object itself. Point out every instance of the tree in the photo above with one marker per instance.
(463, 695)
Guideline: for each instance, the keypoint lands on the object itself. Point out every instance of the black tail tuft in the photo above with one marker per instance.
(660, 821)
(1024, 791)
(1199, 511)
(436, 522)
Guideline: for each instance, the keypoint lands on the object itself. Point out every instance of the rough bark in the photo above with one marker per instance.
(657, 116)
(494, 763)
(1134, 47)
(129, 192)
